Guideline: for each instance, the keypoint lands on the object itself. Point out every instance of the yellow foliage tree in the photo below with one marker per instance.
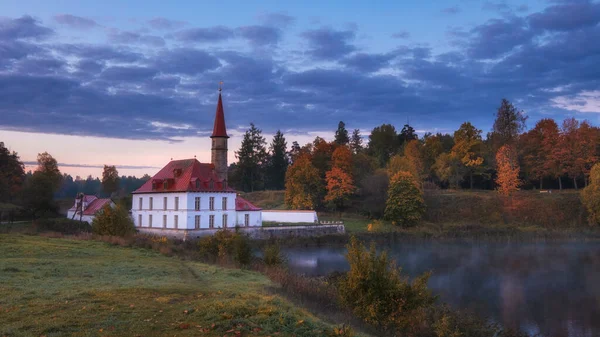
(590, 196)
(467, 149)
(303, 184)
(507, 170)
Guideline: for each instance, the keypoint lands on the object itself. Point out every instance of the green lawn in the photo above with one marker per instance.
(60, 287)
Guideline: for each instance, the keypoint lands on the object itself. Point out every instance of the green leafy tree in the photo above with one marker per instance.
(278, 162)
(341, 134)
(110, 179)
(114, 221)
(383, 143)
(40, 187)
(590, 196)
(405, 205)
(448, 169)
(252, 158)
(373, 193)
(12, 174)
(356, 142)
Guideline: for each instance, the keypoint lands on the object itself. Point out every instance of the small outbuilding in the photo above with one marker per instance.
(86, 207)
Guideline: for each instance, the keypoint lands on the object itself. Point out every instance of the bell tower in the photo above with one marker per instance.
(219, 141)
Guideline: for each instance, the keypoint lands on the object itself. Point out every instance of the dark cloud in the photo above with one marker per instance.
(401, 35)
(99, 53)
(123, 37)
(498, 37)
(17, 50)
(165, 24)
(451, 10)
(24, 27)
(567, 16)
(328, 44)
(186, 61)
(212, 34)
(279, 20)
(73, 21)
(260, 35)
(367, 62)
(128, 74)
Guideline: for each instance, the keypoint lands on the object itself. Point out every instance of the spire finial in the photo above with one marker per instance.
(220, 86)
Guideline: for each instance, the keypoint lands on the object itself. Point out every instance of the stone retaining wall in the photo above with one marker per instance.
(253, 232)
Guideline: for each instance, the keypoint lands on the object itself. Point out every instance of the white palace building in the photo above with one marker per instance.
(189, 195)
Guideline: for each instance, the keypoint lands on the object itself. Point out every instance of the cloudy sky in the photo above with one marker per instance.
(133, 83)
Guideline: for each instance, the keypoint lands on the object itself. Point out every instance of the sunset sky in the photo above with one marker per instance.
(134, 83)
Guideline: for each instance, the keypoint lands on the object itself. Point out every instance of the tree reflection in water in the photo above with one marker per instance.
(550, 288)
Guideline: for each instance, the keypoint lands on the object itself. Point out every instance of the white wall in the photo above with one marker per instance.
(255, 218)
(186, 211)
(289, 216)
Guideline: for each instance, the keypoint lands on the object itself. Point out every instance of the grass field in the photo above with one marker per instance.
(61, 287)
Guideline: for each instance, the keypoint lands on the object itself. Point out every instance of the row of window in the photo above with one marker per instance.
(211, 221)
(211, 203)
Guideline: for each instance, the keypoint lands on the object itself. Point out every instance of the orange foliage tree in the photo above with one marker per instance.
(507, 169)
(303, 184)
(342, 158)
(538, 147)
(339, 187)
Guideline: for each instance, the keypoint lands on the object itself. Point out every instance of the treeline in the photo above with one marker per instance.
(35, 193)
(354, 171)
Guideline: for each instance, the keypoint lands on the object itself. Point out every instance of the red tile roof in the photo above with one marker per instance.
(219, 128)
(187, 175)
(95, 206)
(242, 204)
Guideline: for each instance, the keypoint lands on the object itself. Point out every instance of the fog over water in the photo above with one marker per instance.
(550, 288)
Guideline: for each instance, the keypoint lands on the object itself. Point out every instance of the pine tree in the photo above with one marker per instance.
(251, 159)
(341, 134)
(356, 142)
(407, 134)
(509, 123)
(278, 162)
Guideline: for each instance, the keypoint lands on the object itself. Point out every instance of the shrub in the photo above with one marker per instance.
(62, 225)
(405, 205)
(590, 196)
(225, 244)
(376, 292)
(342, 331)
(273, 256)
(113, 221)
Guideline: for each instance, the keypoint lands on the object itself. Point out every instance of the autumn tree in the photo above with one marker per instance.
(303, 185)
(467, 149)
(12, 174)
(110, 179)
(507, 170)
(340, 187)
(252, 159)
(448, 169)
(412, 152)
(433, 146)
(405, 204)
(590, 196)
(356, 142)
(113, 221)
(342, 158)
(277, 163)
(509, 123)
(294, 151)
(341, 134)
(537, 148)
(321, 155)
(383, 143)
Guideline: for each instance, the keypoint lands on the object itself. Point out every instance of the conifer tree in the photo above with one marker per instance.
(341, 134)
(356, 142)
(278, 162)
(509, 123)
(252, 159)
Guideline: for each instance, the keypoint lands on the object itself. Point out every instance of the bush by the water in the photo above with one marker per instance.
(376, 291)
(114, 221)
(273, 256)
(225, 245)
(590, 196)
(405, 205)
(62, 225)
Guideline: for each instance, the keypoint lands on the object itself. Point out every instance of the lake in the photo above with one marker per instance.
(549, 288)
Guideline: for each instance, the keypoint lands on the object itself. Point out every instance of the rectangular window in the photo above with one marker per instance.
(197, 203)
(211, 203)
(140, 220)
(165, 221)
(211, 221)
(151, 203)
(246, 220)
(224, 203)
(150, 220)
(176, 203)
(164, 203)
(197, 221)
(224, 220)
(141, 203)
(176, 221)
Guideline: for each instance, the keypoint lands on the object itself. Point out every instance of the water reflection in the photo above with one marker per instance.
(548, 288)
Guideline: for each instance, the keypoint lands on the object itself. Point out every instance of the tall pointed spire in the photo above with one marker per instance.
(219, 129)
